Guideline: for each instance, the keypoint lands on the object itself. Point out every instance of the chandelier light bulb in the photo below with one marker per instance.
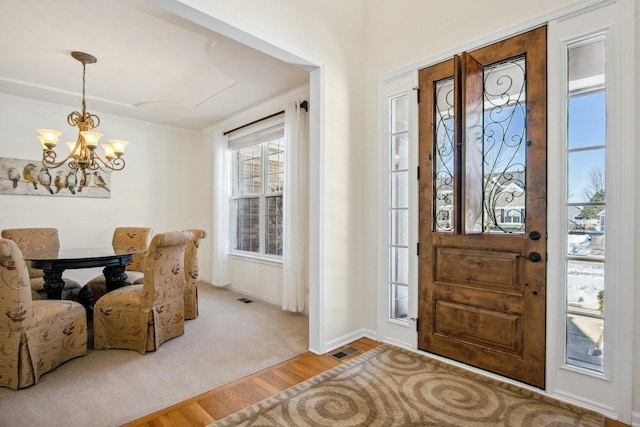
(118, 146)
(108, 151)
(49, 137)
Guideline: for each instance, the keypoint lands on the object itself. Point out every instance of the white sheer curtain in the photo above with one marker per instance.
(295, 209)
(221, 194)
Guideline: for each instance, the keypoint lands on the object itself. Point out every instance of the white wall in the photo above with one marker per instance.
(357, 43)
(332, 32)
(165, 184)
(636, 367)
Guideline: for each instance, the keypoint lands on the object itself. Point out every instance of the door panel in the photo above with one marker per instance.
(483, 145)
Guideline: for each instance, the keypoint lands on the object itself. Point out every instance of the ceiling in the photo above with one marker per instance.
(151, 66)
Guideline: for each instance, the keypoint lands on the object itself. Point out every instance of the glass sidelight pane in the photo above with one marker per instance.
(399, 265)
(504, 147)
(443, 161)
(400, 189)
(400, 154)
(399, 301)
(586, 204)
(399, 227)
(585, 340)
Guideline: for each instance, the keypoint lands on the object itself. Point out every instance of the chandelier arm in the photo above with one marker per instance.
(49, 157)
(115, 164)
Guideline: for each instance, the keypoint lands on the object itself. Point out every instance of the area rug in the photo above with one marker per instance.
(390, 386)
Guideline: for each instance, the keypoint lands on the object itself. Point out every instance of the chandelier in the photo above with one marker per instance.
(83, 153)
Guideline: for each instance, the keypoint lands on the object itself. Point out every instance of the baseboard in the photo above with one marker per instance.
(400, 344)
(349, 338)
(635, 419)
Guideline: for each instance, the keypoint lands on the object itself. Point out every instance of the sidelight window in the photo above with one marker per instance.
(399, 207)
(586, 204)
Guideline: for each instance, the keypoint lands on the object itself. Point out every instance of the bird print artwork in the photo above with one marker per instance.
(29, 174)
(72, 181)
(14, 176)
(44, 178)
(100, 181)
(31, 178)
(85, 181)
(60, 181)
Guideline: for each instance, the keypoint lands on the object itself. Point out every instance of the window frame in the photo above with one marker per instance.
(271, 134)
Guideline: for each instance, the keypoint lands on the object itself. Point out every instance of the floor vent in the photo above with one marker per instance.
(345, 352)
(245, 300)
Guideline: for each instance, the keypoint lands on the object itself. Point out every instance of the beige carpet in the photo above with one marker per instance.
(389, 386)
(107, 388)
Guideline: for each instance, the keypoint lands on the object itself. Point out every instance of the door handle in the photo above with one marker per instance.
(533, 257)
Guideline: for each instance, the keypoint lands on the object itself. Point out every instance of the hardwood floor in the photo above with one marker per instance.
(220, 402)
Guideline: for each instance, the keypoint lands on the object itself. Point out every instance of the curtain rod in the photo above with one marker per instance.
(303, 104)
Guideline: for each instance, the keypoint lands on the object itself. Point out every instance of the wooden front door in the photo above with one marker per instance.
(483, 208)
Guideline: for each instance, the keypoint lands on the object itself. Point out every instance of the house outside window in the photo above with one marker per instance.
(257, 191)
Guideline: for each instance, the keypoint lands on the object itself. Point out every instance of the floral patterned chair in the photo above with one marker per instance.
(32, 240)
(191, 275)
(35, 336)
(126, 238)
(141, 317)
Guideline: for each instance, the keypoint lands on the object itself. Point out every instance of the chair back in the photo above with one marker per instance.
(15, 290)
(164, 265)
(191, 275)
(191, 256)
(133, 239)
(32, 240)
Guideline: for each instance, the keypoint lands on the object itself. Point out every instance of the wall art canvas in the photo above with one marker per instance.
(29, 177)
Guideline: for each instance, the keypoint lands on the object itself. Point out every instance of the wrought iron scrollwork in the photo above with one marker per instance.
(504, 158)
(444, 149)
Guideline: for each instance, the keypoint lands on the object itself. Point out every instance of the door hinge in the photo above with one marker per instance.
(418, 172)
(415, 319)
(417, 94)
(418, 249)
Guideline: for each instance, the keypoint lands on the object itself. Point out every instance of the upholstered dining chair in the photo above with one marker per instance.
(131, 239)
(191, 275)
(35, 336)
(141, 317)
(31, 240)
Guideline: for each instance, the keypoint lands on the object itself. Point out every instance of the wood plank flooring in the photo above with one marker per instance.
(222, 401)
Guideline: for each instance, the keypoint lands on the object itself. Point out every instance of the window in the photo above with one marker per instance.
(399, 208)
(585, 206)
(257, 190)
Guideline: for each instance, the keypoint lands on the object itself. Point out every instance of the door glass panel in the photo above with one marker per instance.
(444, 155)
(586, 204)
(504, 157)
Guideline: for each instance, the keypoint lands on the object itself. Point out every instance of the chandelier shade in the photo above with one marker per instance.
(83, 153)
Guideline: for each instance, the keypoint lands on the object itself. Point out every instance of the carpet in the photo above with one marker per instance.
(228, 341)
(390, 386)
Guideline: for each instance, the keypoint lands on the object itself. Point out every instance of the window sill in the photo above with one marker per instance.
(256, 258)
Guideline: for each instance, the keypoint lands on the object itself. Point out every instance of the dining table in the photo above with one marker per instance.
(54, 263)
